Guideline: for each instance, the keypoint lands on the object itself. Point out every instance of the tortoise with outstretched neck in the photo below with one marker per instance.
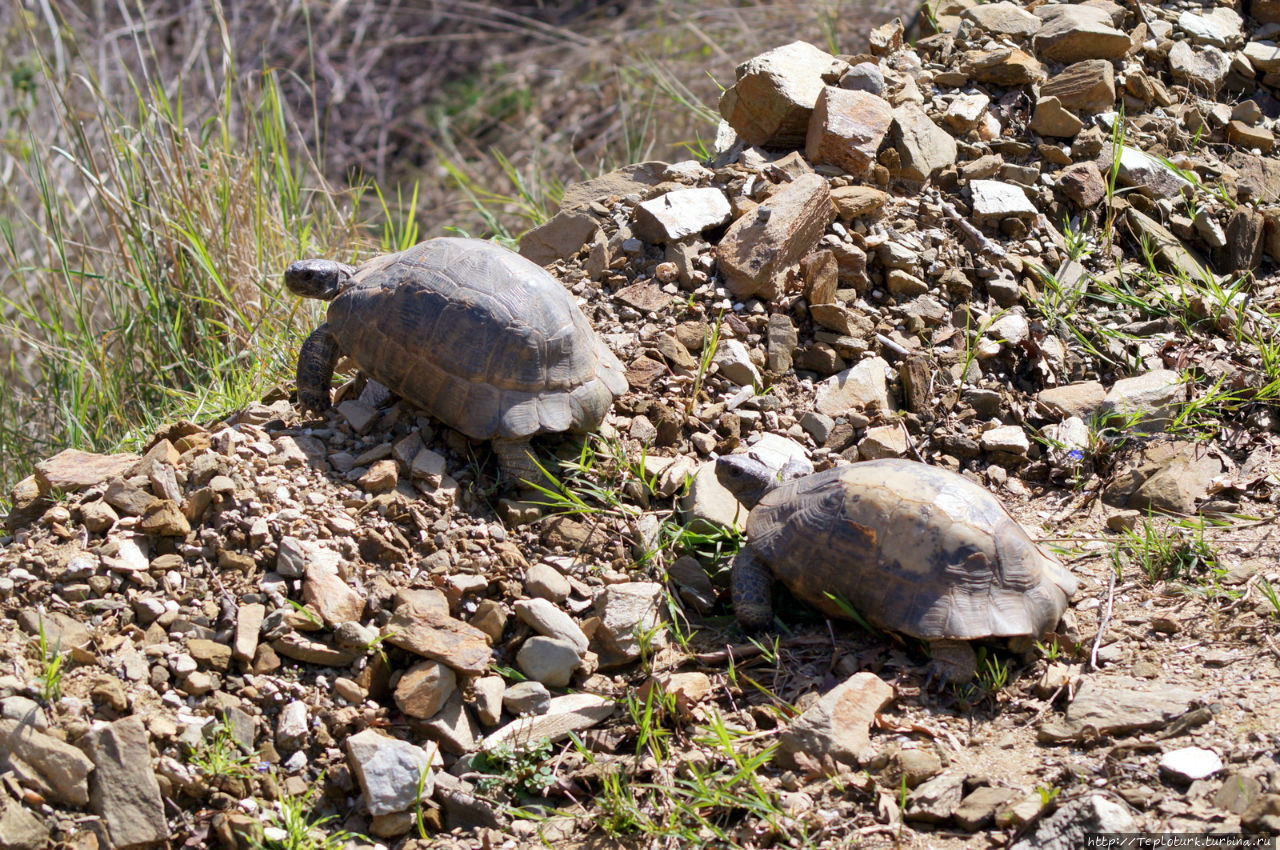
(912, 548)
(477, 336)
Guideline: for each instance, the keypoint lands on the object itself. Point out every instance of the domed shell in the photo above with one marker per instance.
(914, 549)
(479, 337)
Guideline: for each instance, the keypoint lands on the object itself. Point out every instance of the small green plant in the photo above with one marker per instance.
(219, 755)
(993, 673)
(1269, 593)
(51, 663)
(292, 827)
(1174, 552)
(1047, 794)
(1051, 650)
(508, 770)
(709, 348)
(419, 819)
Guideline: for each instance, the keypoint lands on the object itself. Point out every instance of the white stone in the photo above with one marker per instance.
(684, 212)
(1010, 439)
(709, 500)
(860, 387)
(1220, 27)
(965, 111)
(630, 613)
(994, 200)
(1148, 397)
(546, 619)
(391, 771)
(734, 361)
(1149, 175)
(1189, 764)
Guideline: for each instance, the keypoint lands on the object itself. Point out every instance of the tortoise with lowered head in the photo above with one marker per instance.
(477, 336)
(914, 549)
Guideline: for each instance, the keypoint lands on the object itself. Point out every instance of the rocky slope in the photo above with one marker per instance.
(1038, 248)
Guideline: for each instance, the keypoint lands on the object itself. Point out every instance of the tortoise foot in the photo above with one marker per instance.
(950, 662)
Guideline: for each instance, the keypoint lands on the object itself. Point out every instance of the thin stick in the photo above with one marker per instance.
(1106, 620)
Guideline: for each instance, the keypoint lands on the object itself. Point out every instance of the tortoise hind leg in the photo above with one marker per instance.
(516, 459)
(750, 584)
(316, 360)
(950, 661)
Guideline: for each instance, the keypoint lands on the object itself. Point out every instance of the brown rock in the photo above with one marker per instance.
(1050, 119)
(854, 201)
(1083, 185)
(559, 238)
(128, 498)
(210, 653)
(164, 518)
(781, 341)
(325, 590)
(72, 470)
(421, 624)
(1005, 67)
(846, 129)
(1080, 399)
(632, 179)
(838, 726)
(821, 275)
(760, 246)
(1003, 18)
(924, 148)
(1074, 32)
(1089, 86)
(646, 296)
(1244, 240)
(643, 371)
(425, 688)
(1247, 136)
(775, 93)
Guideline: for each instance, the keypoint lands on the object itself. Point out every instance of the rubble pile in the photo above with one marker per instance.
(1038, 247)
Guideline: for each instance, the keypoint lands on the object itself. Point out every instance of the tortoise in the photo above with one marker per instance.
(915, 549)
(477, 336)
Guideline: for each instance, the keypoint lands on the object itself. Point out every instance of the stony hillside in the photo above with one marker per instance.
(1037, 248)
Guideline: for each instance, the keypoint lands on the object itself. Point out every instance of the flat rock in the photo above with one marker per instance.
(1083, 184)
(1179, 484)
(390, 771)
(1006, 66)
(1052, 119)
(1188, 764)
(1080, 399)
(1071, 33)
(645, 296)
(1118, 705)
(1202, 68)
(545, 618)
(733, 360)
(53, 767)
(838, 726)
(422, 625)
(329, 595)
(71, 470)
(1263, 55)
(1088, 86)
(854, 201)
(19, 828)
(634, 179)
(774, 94)
(1148, 396)
(1170, 252)
(125, 793)
(935, 800)
(1220, 27)
(527, 698)
(559, 238)
(994, 200)
(565, 715)
(979, 807)
(62, 632)
(763, 243)
(708, 500)
(862, 387)
(679, 214)
(1003, 18)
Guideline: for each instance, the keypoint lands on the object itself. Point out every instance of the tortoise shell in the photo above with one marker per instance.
(479, 337)
(913, 548)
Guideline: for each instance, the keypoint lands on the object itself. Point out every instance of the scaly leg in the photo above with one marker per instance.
(950, 661)
(751, 583)
(316, 360)
(516, 459)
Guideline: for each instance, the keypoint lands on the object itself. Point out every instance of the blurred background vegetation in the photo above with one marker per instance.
(162, 162)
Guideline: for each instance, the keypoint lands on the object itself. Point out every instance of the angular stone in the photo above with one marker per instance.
(125, 793)
(330, 596)
(1083, 185)
(781, 340)
(854, 201)
(846, 129)
(966, 111)
(734, 362)
(1003, 18)
(684, 212)
(708, 500)
(1051, 119)
(565, 715)
(1010, 439)
(862, 387)
(62, 632)
(163, 518)
(1188, 764)
(1074, 32)
(19, 828)
(775, 93)
(634, 179)
(883, 441)
(1073, 823)
(421, 624)
(1244, 235)
(924, 148)
(1118, 705)
(1169, 250)
(1089, 86)
(645, 296)
(1263, 55)
(978, 808)
(210, 653)
(838, 725)
(546, 619)
(128, 498)
(630, 614)
(424, 688)
(1247, 136)
(1148, 396)
(1180, 484)
(548, 660)
(53, 767)
(390, 771)
(935, 800)
(1007, 67)
(249, 618)
(1219, 27)
(760, 246)
(559, 238)
(452, 727)
(1080, 399)
(1149, 175)
(71, 470)
(308, 651)
(1203, 69)
(994, 200)
(1257, 177)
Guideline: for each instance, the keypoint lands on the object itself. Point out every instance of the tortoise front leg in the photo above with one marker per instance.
(316, 360)
(750, 584)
